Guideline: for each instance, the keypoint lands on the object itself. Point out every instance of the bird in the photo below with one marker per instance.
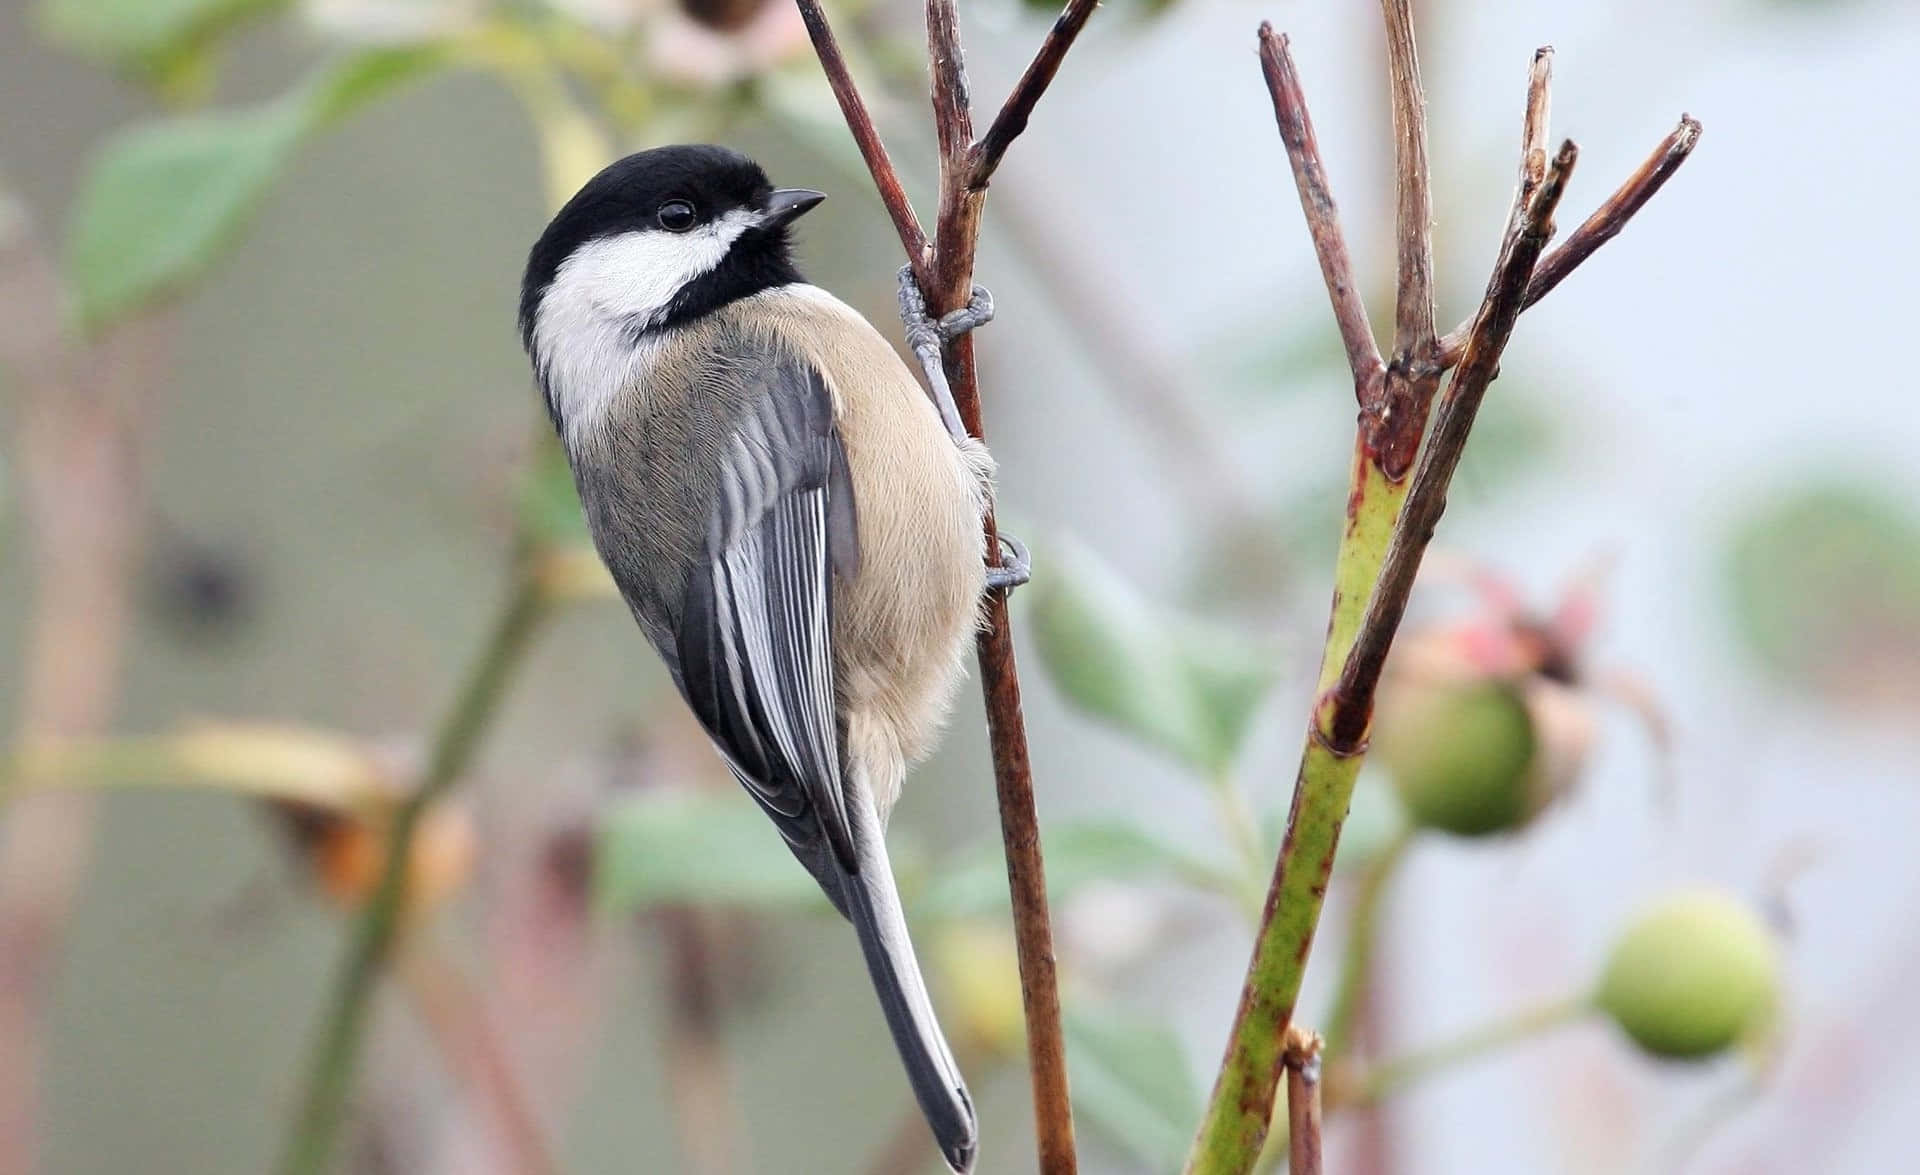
(793, 523)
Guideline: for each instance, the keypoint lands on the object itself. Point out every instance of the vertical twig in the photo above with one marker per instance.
(476, 1055)
(966, 168)
(310, 1144)
(1323, 217)
(1302, 1059)
(1390, 519)
(79, 420)
(860, 122)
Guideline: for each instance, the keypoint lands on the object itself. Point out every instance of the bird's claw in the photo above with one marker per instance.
(1015, 567)
(922, 328)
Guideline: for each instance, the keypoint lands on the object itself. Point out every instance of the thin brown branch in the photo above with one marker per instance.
(948, 283)
(859, 121)
(957, 227)
(1427, 496)
(1014, 112)
(1392, 424)
(1302, 1059)
(1602, 226)
(80, 415)
(1533, 131)
(1323, 218)
(1413, 331)
(457, 1020)
(702, 1084)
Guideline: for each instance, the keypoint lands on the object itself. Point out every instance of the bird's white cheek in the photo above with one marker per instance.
(604, 297)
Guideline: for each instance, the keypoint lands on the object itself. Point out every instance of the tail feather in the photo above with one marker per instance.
(873, 905)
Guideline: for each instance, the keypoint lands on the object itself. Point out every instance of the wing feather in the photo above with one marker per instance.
(755, 645)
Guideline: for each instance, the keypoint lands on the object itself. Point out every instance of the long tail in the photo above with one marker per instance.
(873, 905)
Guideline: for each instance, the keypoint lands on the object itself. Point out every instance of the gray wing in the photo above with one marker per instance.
(755, 638)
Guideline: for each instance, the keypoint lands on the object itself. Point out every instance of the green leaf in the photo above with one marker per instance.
(1076, 854)
(162, 200)
(1825, 584)
(1131, 1082)
(682, 845)
(548, 502)
(1190, 689)
(143, 33)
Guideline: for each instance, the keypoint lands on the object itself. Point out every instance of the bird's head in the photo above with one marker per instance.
(656, 239)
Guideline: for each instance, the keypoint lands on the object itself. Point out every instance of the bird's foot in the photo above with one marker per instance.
(928, 337)
(923, 328)
(1015, 567)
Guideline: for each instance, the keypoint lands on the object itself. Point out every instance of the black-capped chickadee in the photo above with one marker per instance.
(793, 523)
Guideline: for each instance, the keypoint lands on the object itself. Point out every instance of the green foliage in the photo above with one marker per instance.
(1076, 854)
(675, 845)
(1189, 689)
(1460, 755)
(1131, 1082)
(1693, 976)
(1825, 585)
(163, 200)
(548, 503)
(145, 36)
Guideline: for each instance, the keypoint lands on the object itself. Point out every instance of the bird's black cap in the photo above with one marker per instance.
(629, 196)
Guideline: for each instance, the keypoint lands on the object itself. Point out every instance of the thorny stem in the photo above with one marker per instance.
(1390, 519)
(310, 1145)
(947, 280)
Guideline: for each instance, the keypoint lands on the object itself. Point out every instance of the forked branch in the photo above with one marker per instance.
(946, 278)
(1390, 515)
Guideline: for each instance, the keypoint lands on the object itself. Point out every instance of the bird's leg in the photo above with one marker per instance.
(928, 337)
(1015, 566)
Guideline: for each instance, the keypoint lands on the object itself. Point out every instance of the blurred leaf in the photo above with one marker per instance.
(163, 199)
(1264, 363)
(273, 761)
(1187, 688)
(548, 502)
(980, 998)
(1076, 854)
(1825, 583)
(686, 845)
(1131, 1082)
(143, 33)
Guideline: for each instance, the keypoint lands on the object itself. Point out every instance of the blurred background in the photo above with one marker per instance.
(271, 448)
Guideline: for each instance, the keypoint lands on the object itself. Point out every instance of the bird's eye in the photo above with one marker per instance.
(676, 216)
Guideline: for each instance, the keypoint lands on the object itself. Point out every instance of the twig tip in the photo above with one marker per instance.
(1688, 134)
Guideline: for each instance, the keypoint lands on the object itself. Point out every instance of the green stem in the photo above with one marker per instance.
(1392, 1077)
(1356, 964)
(311, 1144)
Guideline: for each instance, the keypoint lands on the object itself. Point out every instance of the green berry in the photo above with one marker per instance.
(1461, 755)
(1696, 974)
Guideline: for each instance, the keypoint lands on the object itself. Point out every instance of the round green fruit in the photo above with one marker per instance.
(1696, 974)
(1460, 754)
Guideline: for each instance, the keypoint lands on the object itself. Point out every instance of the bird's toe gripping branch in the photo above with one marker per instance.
(1015, 567)
(928, 336)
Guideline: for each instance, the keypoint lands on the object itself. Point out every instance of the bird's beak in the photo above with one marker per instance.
(786, 204)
